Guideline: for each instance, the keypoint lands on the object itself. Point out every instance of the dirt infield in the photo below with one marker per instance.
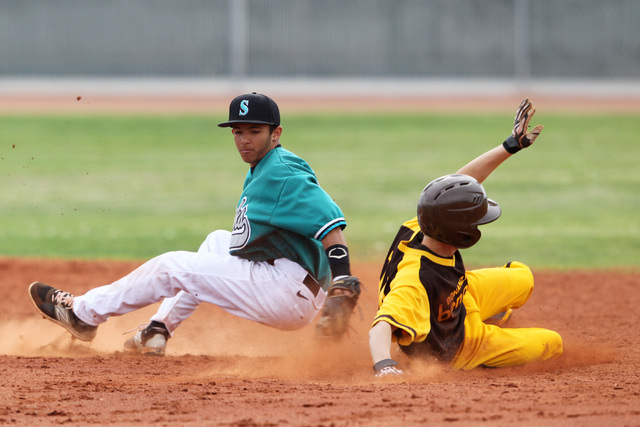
(222, 370)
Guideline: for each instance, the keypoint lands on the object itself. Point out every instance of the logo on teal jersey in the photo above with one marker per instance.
(241, 232)
(244, 107)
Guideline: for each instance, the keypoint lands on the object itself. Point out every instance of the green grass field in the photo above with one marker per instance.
(135, 187)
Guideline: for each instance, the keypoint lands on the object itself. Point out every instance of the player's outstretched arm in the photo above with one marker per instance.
(482, 166)
(380, 341)
(343, 294)
(380, 348)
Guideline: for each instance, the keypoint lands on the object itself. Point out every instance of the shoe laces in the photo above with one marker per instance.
(65, 299)
(137, 328)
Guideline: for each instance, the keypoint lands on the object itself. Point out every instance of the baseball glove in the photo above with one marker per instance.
(341, 301)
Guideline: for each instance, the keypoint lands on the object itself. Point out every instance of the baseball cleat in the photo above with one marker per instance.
(148, 341)
(57, 306)
(500, 319)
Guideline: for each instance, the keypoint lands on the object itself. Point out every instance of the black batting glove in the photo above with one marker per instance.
(520, 136)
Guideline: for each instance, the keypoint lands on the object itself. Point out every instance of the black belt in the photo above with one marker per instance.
(311, 283)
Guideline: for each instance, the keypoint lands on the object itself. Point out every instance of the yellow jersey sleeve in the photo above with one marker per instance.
(406, 307)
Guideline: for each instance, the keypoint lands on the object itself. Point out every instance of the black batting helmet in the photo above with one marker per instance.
(451, 208)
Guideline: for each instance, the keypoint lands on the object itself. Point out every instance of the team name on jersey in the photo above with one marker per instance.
(453, 300)
(241, 232)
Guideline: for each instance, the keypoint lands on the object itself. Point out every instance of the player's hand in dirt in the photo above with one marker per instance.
(389, 371)
(520, 136)
(387, 368)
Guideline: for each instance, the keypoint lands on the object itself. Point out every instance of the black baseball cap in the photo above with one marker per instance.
(253, 108)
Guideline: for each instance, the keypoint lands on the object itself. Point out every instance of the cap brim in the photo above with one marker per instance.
(493, 212)
(232, 122)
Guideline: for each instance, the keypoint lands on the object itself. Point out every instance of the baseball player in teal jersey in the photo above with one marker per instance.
(284, 256)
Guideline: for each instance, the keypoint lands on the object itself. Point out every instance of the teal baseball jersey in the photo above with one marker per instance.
(284, 213)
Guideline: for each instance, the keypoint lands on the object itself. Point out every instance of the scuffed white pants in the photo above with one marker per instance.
(273, 295)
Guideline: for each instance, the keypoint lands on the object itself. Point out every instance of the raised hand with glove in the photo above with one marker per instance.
(483, 165)
(520, 136)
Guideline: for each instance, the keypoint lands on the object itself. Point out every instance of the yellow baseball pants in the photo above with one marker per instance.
(491, 291)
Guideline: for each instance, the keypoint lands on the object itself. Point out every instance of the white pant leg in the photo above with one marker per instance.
(173, 311)
(217, 242)
(258, 291)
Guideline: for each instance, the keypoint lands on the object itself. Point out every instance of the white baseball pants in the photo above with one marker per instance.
(271, 294)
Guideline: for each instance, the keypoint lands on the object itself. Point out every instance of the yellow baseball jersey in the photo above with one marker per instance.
(421, 295)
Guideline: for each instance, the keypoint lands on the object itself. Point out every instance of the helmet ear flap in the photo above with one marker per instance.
(468, 238)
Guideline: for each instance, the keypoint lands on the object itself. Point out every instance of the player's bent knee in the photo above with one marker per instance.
(520, 281)
(523, 271)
